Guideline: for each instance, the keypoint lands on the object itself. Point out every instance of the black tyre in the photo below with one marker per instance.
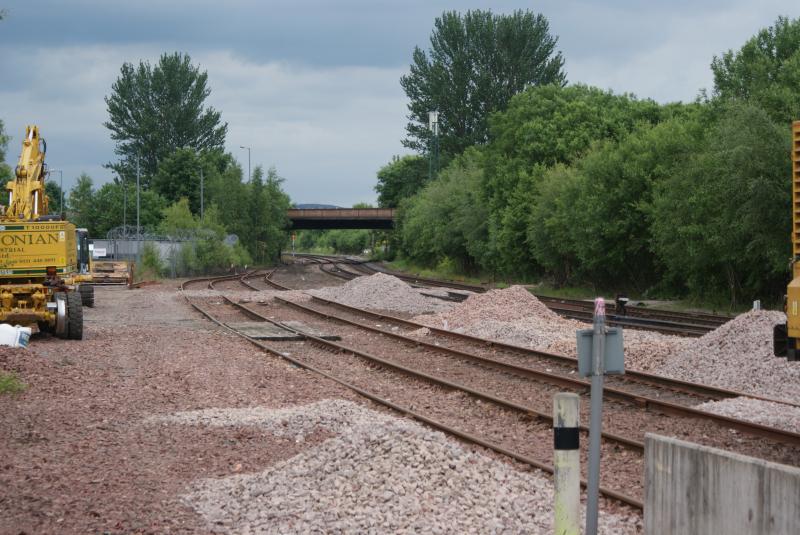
(74, 316)
(87, 295)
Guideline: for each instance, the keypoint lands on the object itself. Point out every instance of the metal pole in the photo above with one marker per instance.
(249, 175)
(567, 464)
(138, 230)
(596, 417)
(124, 208)
(61, 205)
(201, 194)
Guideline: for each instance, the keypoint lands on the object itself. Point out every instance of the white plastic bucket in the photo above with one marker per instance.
(14, 336)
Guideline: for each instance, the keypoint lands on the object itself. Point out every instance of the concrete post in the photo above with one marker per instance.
(567, 464)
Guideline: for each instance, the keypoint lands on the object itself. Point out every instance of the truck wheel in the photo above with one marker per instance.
(74, 316)
(87, 295)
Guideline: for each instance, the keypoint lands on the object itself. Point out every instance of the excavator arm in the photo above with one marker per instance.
(26, 194)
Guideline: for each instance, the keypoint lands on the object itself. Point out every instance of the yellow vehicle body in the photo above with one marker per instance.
(27, 250)
(39, 272)
(786, 337)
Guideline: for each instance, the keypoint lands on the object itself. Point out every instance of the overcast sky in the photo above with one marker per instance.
(313, 86)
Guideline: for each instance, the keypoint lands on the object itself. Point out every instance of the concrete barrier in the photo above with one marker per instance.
(694, 489)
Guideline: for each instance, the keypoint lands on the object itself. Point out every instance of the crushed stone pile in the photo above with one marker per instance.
(515, 316)
(382, 292)
(738, 356)
(380, 474)
(758, 411)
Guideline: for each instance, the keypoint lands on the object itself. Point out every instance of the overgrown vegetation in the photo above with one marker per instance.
(579, 186)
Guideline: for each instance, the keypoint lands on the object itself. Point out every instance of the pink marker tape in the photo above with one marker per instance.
(599, 307)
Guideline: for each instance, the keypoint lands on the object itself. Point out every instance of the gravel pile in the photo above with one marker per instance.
(738, 355)
(755, 410)
(380, 475)
(515, 316)
(382, 292)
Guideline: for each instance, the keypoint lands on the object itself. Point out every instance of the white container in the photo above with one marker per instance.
(14, 336)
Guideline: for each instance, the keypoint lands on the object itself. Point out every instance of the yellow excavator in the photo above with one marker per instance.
(786, 336)
(41, 284)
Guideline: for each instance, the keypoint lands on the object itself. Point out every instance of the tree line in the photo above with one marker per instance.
(577, 185)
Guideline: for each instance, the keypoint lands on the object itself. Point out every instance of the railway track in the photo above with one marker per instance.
(460, 361)
(398, 387)
(665, 322)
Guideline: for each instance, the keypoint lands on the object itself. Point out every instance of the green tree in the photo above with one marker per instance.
(113, 205)
(721, 222)
(446, 221)
(5, 170)
(155, 110)
(476, 63)
(401, 178)
(178, 176)
(610, 228)
(765, 71)
(81, 205)
(53, 192)
(542, 127)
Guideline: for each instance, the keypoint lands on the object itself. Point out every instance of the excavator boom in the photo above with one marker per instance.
(27, 199)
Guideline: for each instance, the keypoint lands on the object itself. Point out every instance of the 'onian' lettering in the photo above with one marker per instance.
(29, 239)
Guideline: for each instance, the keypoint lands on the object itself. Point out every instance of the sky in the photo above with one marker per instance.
(312, 86)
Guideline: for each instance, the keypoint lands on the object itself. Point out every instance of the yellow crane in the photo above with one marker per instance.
(40, 281)
(786, 335)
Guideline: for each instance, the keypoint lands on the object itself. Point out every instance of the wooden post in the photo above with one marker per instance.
(567, 473)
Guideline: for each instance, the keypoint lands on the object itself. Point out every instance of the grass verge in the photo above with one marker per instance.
(10, 384)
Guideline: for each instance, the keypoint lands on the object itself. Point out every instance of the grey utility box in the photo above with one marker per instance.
(614, 358)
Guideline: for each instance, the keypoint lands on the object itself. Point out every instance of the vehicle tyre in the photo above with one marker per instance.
(61, 326)
(87, 295)
(74, 316)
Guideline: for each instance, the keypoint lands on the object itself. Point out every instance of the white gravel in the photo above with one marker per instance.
(381, 474)
(515, 316)
(755, 410)
(738, 355)
(382, 292)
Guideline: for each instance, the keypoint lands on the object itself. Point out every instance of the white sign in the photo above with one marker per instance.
(98, 252)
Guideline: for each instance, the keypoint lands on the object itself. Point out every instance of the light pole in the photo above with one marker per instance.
(201, 194)
(433, 126)
(138, 231)
(249, 176)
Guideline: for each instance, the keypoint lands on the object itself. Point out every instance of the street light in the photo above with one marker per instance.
(249, 176)
(433, 126)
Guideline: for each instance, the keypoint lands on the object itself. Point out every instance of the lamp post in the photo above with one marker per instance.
(433, 126)
(249, 176)
(138, 228)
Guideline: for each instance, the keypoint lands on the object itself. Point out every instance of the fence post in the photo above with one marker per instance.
(567, 464)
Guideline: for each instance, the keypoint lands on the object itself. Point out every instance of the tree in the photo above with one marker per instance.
(446, 222)
(765, 71)
(475, 64)
(109, 202)
(178, 176)
(721, 222)
(401, 178)
(5, 170)
(155, 110)
(81, 205)
(53, 192)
